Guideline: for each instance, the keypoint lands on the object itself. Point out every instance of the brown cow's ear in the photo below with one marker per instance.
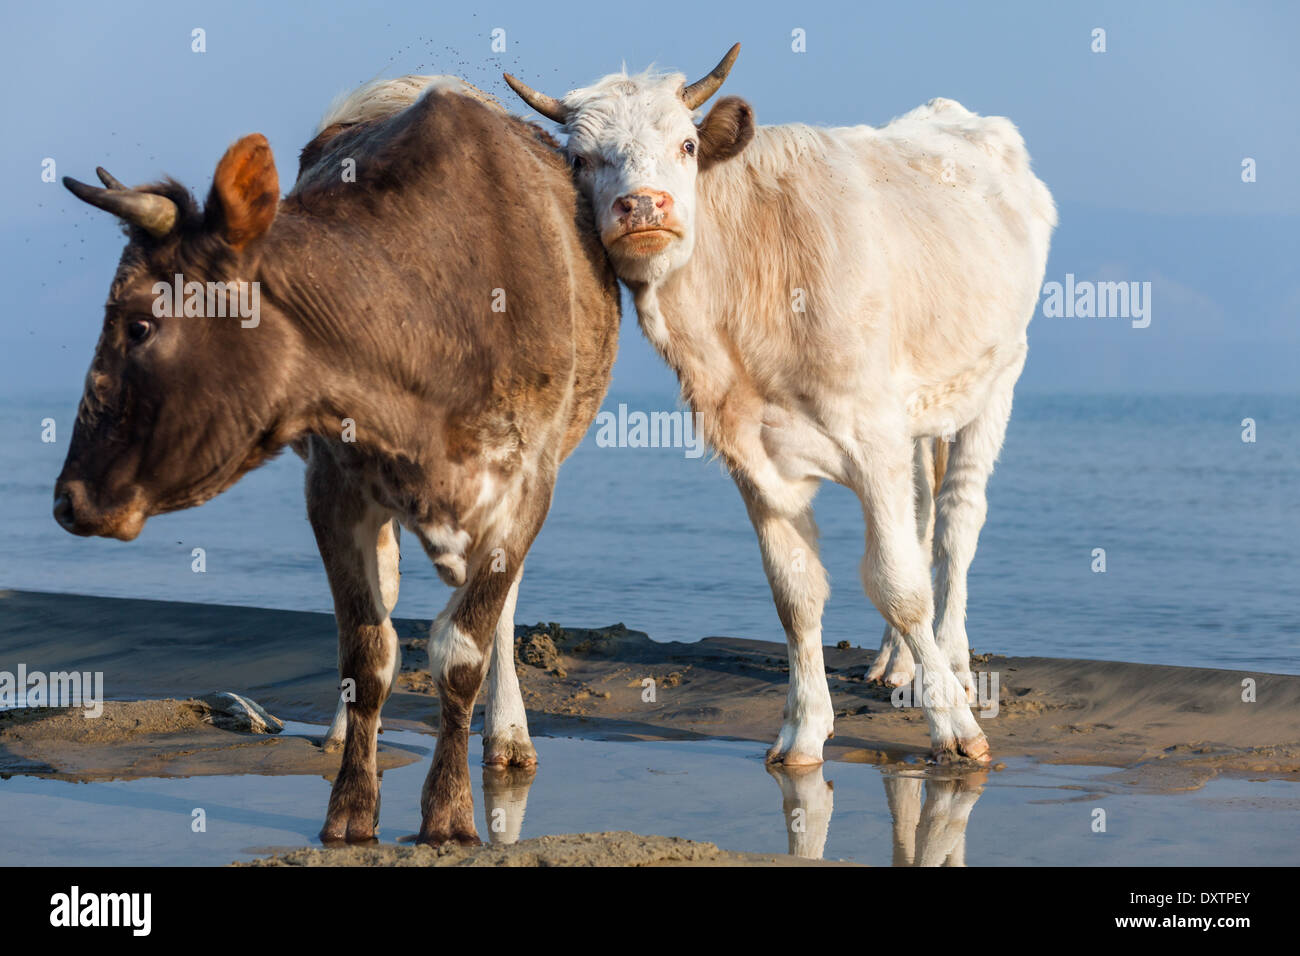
(726, 130)
(245, 191)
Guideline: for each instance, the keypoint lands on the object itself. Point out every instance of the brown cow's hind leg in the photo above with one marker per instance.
(358, 543)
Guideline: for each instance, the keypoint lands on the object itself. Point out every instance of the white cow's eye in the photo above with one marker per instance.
(688, 147)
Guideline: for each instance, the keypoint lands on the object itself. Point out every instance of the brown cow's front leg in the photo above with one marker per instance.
(447, 804)
(459, 644)
(358, 542)
(458, 647)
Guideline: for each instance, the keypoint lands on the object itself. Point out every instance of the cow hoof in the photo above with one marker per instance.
(794, 758)
(882, 673)
(458, 838)
(796, 754)
(800, 745)
(349, 836)
(349, 828)
(332, 745)
(975, 748)
(972, 749)
(508, 752)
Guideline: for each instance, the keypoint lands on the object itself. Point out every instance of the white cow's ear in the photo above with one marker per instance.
(726, 130)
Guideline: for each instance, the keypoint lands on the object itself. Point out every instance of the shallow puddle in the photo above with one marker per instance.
(718, 791)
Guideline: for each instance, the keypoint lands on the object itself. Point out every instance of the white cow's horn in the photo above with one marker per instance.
(701, 90)
(548, 106)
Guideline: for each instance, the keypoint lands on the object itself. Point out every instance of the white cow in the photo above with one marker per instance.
(828, 297)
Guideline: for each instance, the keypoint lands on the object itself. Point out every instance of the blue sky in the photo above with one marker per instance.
(1141, 145)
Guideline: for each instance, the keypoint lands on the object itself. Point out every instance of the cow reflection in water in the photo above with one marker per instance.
(932, 833)
(505, 797)
(929, 832)
(807, 799)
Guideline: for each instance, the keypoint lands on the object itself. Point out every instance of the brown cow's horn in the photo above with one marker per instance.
(701, 90)
(151, 212)
(548, 106)
(108, 179)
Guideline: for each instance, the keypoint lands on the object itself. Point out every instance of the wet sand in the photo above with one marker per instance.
(1162, 728)
(155, 738)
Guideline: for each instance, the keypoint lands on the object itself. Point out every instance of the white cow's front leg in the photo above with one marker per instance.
(808, 719)
(799, 588)
(505, 725)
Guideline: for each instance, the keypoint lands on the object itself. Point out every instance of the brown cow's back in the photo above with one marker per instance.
(470, 168)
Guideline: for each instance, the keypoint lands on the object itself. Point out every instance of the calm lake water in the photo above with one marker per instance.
(716, 791)
(1201, 535)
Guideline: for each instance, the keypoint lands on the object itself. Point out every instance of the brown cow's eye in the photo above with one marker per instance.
(688, 147)
(138, 330)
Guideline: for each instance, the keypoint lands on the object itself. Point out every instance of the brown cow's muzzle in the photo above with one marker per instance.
(644, 223)
(75, 512)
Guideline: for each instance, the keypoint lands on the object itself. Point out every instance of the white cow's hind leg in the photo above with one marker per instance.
(894, 665)
(505, 725)
(896, 576)
(800, 589)
(962, 506)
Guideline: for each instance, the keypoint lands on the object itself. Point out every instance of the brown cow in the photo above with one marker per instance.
(434, 337)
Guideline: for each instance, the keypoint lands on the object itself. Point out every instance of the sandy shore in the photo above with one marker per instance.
(1162, 728)
(572, 849)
